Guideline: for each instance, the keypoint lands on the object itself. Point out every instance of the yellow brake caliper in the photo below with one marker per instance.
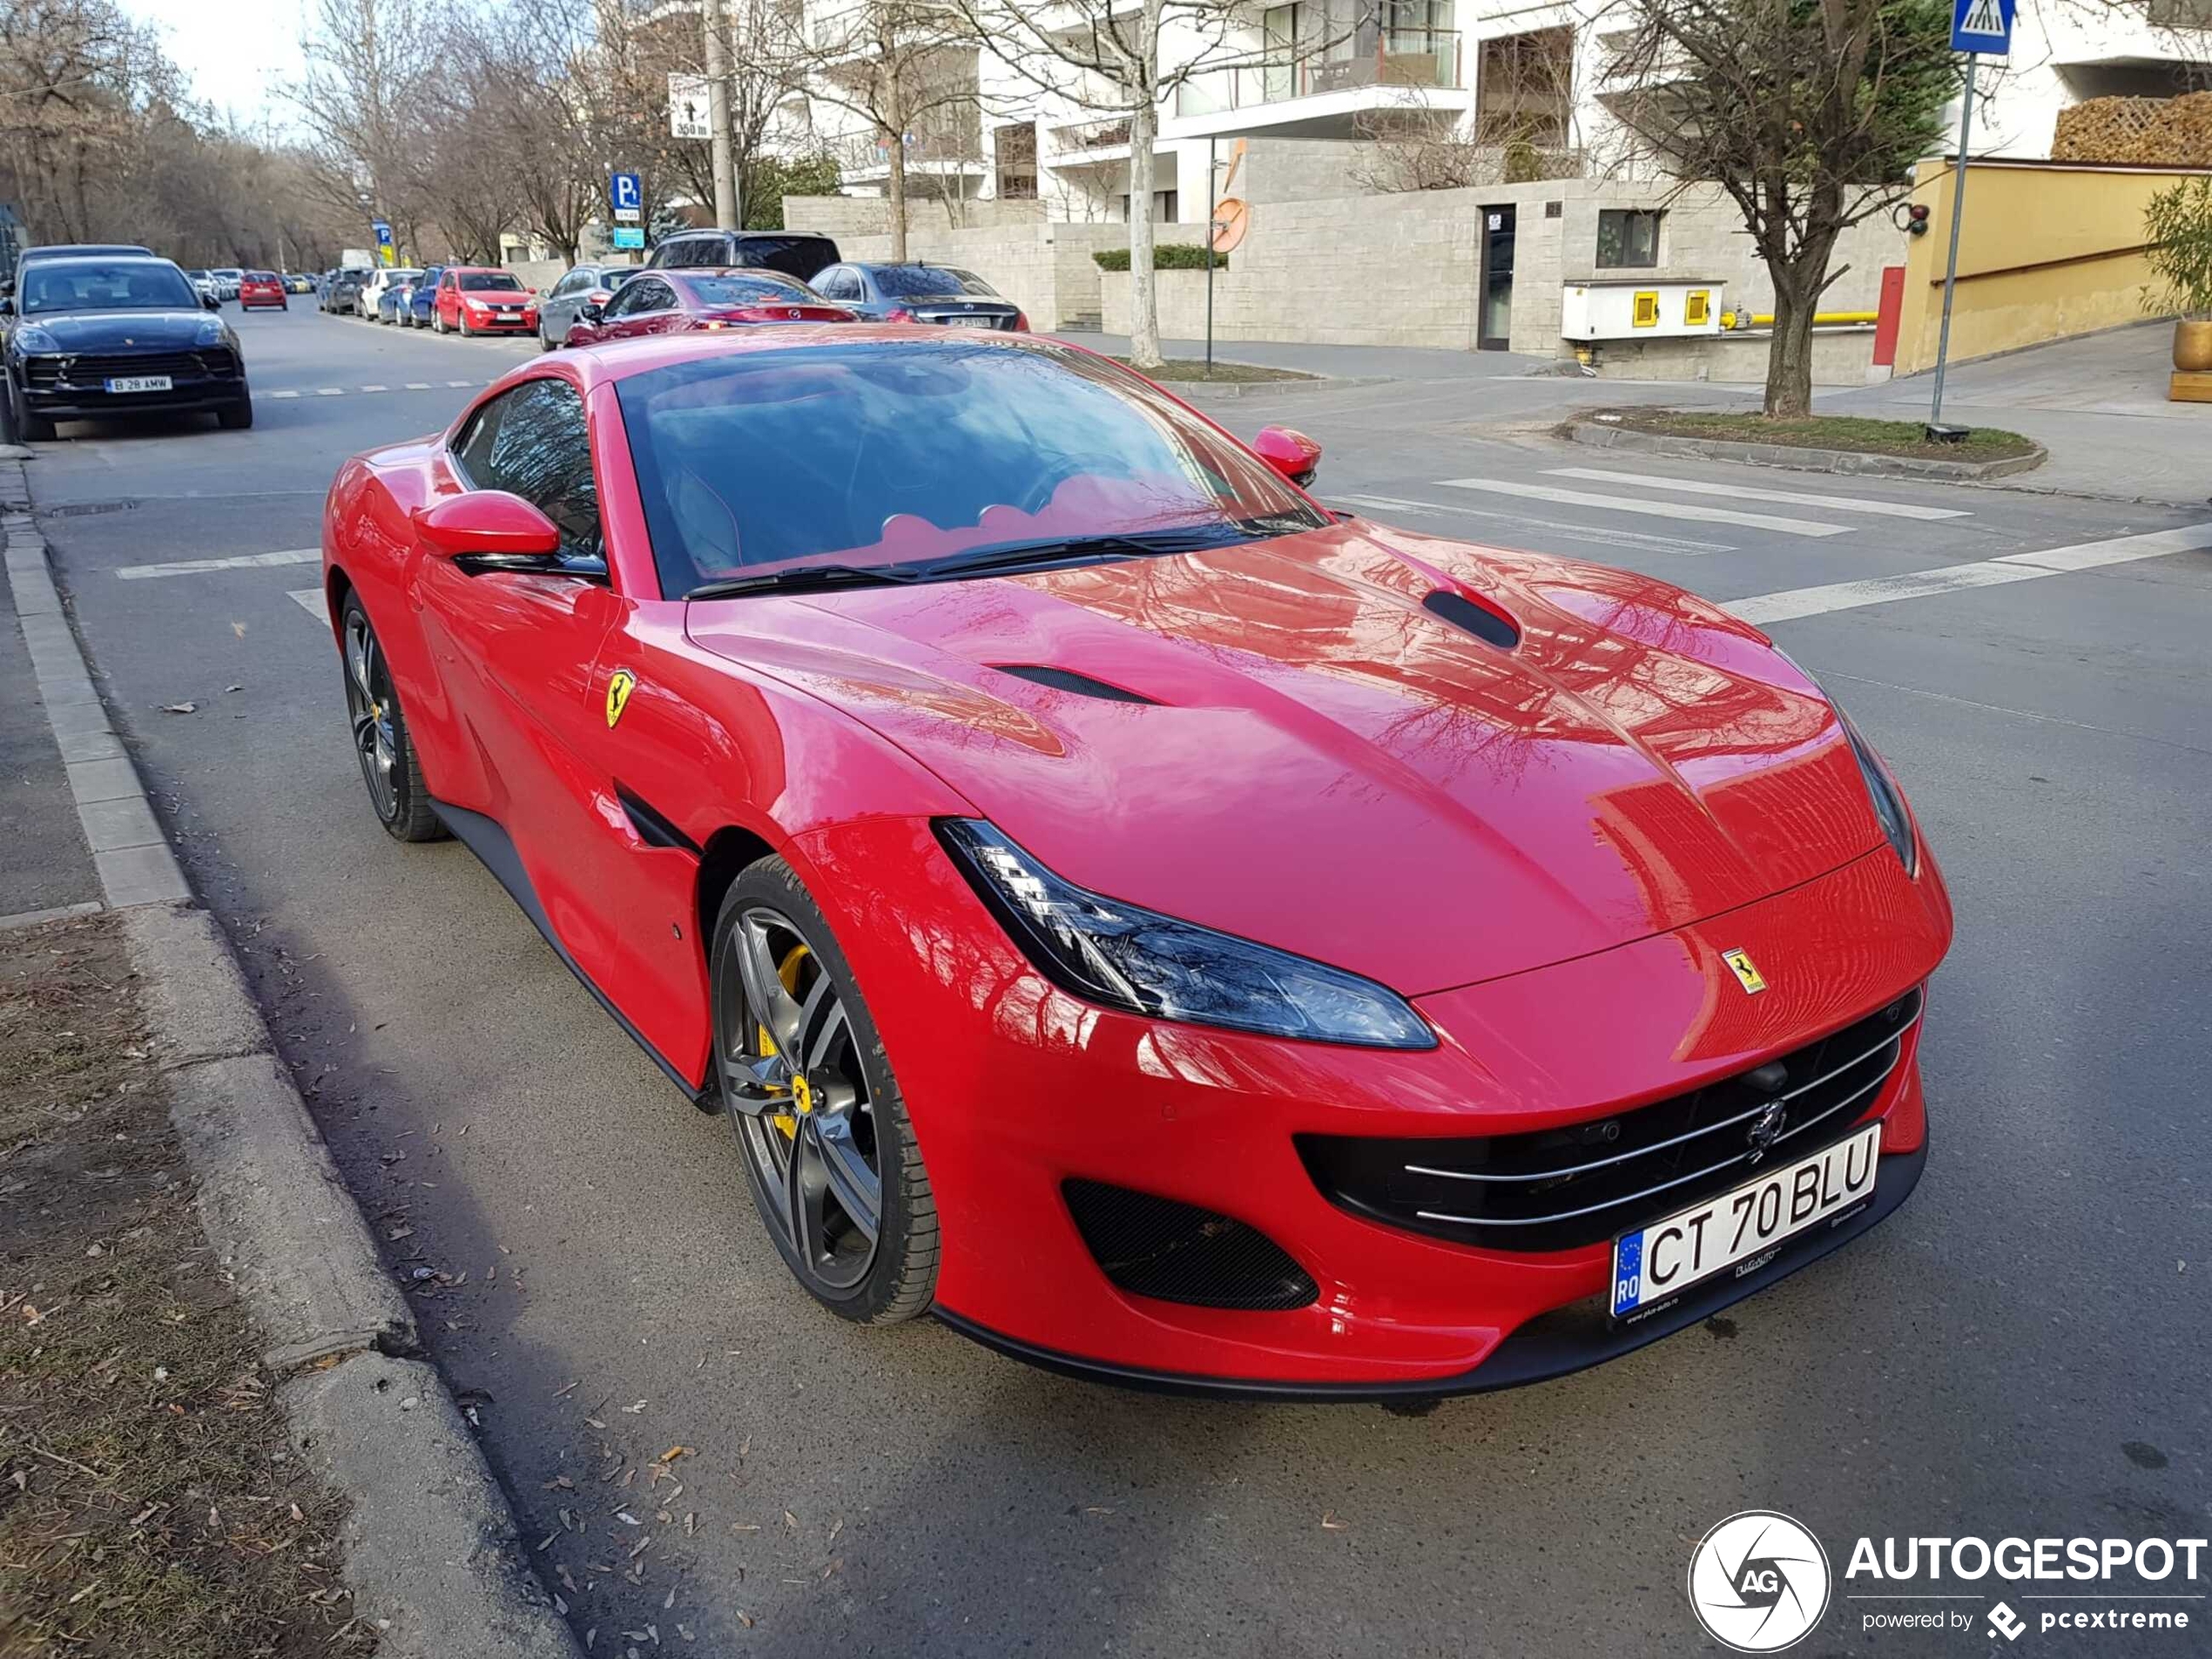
(802, 1095)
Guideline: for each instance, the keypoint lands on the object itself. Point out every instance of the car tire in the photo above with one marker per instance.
(850, 1123)
(29, 429)
(543, 344)
(437, 322)
(390, 769)
(239, 417)
(468, 329)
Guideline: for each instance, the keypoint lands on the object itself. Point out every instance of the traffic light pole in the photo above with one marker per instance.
(1957, 212)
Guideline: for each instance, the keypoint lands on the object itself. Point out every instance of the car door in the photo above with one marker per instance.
(634, 310)
(537, 655)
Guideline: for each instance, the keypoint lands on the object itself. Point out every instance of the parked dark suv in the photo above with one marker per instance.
(797, 254)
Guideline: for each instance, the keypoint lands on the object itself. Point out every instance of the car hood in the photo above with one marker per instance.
(105, 331)
(1321, 762)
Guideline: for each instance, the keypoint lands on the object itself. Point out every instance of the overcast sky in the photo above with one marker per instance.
(234, 51)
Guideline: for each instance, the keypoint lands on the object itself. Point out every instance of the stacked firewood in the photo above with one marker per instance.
(2157, 131)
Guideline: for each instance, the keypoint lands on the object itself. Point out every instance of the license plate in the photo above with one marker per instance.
(1741, 1229)
(971, 322)
(139, 383)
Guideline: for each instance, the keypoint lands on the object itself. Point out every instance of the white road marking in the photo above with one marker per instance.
(330, 391)
(279, 395)
(235, 561)
(467, 382)
(311, 601)
(376, 389)
(1653, 508)
(417, 386)
(1744, 492)
(1578, 532)
(1952, 578)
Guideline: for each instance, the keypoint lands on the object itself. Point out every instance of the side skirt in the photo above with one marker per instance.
(495, 849)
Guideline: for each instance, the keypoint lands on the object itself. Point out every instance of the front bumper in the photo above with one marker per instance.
(503, 322)
(83, 404)
(1014, 1087)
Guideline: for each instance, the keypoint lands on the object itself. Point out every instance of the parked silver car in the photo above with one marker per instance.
(584, 284)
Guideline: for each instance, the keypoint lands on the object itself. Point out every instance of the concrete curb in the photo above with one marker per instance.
(1268, 389)
(1797, 459)
(433, 1558)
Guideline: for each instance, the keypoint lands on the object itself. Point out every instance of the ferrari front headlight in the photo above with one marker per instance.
(1146, 964)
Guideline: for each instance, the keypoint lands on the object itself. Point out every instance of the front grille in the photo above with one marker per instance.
(89, 373)
(1561, 1189)
(1178, 1252)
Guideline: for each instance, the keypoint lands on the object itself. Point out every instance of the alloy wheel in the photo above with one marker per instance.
(369, 710)
(792, 1074)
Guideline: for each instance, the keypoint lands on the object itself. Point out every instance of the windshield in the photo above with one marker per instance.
(888, 454)
(488, 281)
(99, 284)
(918, 281)
(751, 290)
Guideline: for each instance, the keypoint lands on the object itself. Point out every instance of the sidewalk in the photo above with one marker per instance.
(2097, 404)
(1341, 363)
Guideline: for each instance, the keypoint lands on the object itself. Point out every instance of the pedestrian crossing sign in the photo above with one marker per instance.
(1983, 26)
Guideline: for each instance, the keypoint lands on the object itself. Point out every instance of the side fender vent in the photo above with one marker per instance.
(1462, 612)
(1065, 679)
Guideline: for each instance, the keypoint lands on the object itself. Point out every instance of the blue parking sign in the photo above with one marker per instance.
(628, 191)
(1983, 26)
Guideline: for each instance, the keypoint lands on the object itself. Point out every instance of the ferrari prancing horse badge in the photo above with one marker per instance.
(619, 689)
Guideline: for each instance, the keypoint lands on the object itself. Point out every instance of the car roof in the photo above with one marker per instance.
(84, 250)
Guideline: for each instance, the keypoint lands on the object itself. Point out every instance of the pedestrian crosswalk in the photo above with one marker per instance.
(1649, 506)
(1746, 492)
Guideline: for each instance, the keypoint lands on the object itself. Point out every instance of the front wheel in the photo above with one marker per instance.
(386, 755)
(29, 429)
(468, 328)
(238, 417)
(829, 1154)
(437, 322)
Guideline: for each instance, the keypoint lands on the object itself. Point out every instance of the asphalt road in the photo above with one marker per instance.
(2022, 1350)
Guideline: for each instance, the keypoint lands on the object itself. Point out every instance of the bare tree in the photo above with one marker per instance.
(1105, 55)
(904, 67)
(369, 68)
(1809, 115)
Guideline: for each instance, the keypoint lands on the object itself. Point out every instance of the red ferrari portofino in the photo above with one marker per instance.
(1170, 931)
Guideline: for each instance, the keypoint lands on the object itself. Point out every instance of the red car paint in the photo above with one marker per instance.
(451, 305)
(1547, 849)
(693, 307)
(260, 288)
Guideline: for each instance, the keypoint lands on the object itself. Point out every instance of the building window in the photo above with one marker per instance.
(1628, 237)
(1164, 207)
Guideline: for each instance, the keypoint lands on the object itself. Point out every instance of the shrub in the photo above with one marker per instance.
(1166, 256)
(2177, 222)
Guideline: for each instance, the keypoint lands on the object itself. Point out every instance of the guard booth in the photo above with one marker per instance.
(1594, 308)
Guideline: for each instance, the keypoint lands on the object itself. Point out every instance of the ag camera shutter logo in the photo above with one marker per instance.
(1758, 1581)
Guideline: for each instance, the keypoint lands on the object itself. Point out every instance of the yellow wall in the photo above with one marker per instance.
(2046, 250)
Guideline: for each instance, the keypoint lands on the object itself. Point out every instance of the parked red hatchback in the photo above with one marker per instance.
(671, 302)
(482, 299)
(261, 288)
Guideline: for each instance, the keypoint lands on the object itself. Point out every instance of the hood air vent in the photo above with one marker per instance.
(1462, 612)
(1065, 679)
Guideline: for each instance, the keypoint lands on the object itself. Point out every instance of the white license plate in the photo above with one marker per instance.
(1740, 1229)
(971, 322)
(139, 383)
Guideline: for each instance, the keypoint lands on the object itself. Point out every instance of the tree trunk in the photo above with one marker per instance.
(1788, 362)
(895, 188)
(1143, 282)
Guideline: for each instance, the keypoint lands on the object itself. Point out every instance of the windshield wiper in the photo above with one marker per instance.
(1020, 555)
(801, 577)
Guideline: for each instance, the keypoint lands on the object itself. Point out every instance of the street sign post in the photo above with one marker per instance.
(1979, 29)
(386, 253)
(627, 192)
(688, 105)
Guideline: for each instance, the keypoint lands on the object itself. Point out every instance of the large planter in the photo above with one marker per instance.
(2193, 344)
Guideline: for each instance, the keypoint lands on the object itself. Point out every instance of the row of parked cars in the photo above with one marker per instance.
(702, 279)
(251, 288)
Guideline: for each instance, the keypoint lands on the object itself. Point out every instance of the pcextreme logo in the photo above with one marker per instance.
(1758, 1581)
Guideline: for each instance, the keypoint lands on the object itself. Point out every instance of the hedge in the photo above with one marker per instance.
(1166, 256)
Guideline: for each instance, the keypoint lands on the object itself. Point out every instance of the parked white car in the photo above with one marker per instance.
(379, 280)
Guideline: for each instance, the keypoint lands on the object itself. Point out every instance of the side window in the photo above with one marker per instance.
(839, 283)
(540, 450)
(625, 300)
(567, 284)
(473, 447)
(683, 252)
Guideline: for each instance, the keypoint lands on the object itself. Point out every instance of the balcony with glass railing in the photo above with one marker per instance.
(1389, 58)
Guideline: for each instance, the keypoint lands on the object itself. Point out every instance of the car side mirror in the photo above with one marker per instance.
(1291, 453)
(7, 305)
(208, 302)
(590, 311)
(490, 525)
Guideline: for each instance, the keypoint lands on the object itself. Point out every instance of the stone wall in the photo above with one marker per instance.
(1402, 269)
(858, 216)
(1842, 356)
